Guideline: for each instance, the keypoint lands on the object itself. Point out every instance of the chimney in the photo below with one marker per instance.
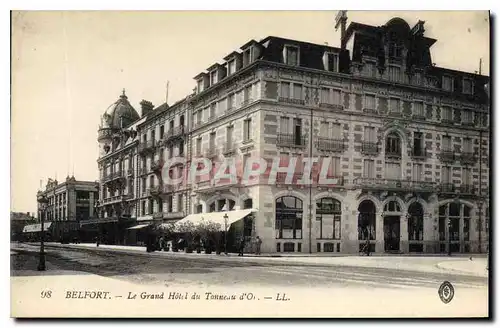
(146, 107)
(341, 20)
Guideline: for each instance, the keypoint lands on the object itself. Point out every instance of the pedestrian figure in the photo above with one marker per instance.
(367, 247)
(258, 243)
(241, 246)
(97, 241)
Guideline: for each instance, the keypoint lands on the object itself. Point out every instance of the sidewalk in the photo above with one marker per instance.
(422, 263)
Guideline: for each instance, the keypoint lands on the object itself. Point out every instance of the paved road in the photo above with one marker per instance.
(201, 271)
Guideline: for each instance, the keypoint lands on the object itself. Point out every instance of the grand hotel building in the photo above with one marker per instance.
(408, 141)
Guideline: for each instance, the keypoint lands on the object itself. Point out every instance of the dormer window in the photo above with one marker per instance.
(331, 62)
(447, 83)
(467, 86)
(199, 86)
(247, 57)
(213, 78)
(231, 67)
(292, 55)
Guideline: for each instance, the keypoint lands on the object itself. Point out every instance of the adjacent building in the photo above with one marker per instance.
(406, 142)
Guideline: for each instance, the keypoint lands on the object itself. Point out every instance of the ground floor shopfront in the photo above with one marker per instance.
(340, 221)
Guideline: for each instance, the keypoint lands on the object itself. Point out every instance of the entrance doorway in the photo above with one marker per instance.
(391, 233)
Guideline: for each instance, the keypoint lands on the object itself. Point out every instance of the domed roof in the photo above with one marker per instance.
(119, 114)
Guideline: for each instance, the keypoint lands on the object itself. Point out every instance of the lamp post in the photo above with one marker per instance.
(43, 201)
(225, 232)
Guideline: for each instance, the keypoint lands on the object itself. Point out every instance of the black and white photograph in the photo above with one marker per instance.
(250, 164)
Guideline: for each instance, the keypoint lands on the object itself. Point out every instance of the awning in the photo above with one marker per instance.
(99, 220)
(145, 218)
(217, 217)
(139, 226)
(37, 227)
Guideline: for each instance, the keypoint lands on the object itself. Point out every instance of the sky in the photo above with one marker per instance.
(69, 66)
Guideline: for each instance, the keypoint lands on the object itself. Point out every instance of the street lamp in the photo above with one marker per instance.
(225, 232)
(43, 201)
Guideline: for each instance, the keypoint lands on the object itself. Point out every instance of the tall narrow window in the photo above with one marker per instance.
(370, 69)
(369, 168)
(392, 171)
(229, 136)
(417, 172)
(418, 109)
(285, 125)
(213, 108)
(285, 90)
(336, 97)
(445, 174)
(369, 135)
(467, 86)
(297, 131)
(247, 92)
(336, 131)
(230, 101)
(418, 144)
(447, 114)
(332, 62)
(247, 129)
(323, 129)
(325, 95)
(198, 146)
(212, 141)
(394, 73)
(180, 204)
(393, 145)
(199, 118)
(466, 176)
(467, 145)
(467, 116)
(231, 67)
(447, 83)
(162, 130)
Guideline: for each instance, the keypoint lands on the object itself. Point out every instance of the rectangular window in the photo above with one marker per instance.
(369, 135)
(292, 56)
(162, 130)
(369, 168)
(467, 86)
(392, 171)
(297, 131)
(418, 78)
(466, 176)
(394, 105)
(325, 95)
(199, 118)
(180, 204)
(200, 86)
(297, 91)
(370, 102)
(418, 144)
(213, 108)
(336, 97)
(285, 90)
(323, 129)
(230, 101)
(231, 67)
(336, 131)
(247, 57)
(467, 145)
(446, 143)
(181, 148)
(447, 113)
(212, 140)
(394, 73)
(247, 129)
(466, 229)
(445, 174)
(418, 109)
(284, 125)
(198, 146)
(247, 91)
(143, 207)
(370, 69)
(335, 166)
(213, 77)
(467, 116)
(229, 135)
(143, 184)
(447, 83)
(417, 172)
(332, 62)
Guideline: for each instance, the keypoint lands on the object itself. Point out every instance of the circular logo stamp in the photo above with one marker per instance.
(446, 292)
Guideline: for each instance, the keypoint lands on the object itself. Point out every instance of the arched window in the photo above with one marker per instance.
(393, 145)
(221, 205)
(392, 206)
(328, 216)
(416, 222)
(450, 215)
(366, 220)
(288, 218)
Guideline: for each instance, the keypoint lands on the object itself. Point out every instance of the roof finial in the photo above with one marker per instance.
(123, 96)
(123, 92)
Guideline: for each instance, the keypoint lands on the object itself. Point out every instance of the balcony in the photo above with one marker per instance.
(291, 101)
(177, 132)
(468, 158)
(419, 117)
(330, 145)
(157, 165)
(447, 156)
(395, 184)
(155, 191)
(146, 146)
(447, 121)
(369, 148)
(369, 110)
(229, 148)
(211, 152)
(281, 178)
(419, 153)
(467, 189)
(290, 140)
(174, 215)
(446, 188)
(393, 154)
(331, 106)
